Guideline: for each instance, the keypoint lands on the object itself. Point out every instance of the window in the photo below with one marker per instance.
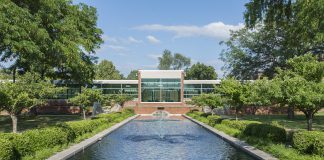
(161, 90)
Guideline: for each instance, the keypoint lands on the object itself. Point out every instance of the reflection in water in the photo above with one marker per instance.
(140, 140)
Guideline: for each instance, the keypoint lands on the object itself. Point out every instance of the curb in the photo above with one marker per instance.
(254, 152)
(72, 150)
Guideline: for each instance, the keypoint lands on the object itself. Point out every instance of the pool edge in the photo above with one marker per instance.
(254, 152)
(74, 149)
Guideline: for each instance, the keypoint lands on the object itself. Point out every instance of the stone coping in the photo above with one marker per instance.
(72, 150)
(254, 152)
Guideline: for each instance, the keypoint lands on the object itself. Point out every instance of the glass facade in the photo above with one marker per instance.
(191, 90)
(161, 90)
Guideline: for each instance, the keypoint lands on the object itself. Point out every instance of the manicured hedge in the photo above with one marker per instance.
(214, 119)
(275, 134)
(6, 150)
(311, 142)
(238, 124)
(28, 142)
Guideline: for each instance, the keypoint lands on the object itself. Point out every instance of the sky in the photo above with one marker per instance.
(136, 32)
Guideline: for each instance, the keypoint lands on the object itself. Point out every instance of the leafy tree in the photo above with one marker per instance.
(211, 100)
(303, 68)
(4, 75)
(132, 75)
(260, 93)
(86, 98)
(180, 62)
(173, 62)
(106, 70)
(308, 98)
(232, 90)
(54, 38)
(25, 94)
(165, 62)
(200, 71)
(275, 32)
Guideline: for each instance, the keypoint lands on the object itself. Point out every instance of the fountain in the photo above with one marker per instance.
(160, 116)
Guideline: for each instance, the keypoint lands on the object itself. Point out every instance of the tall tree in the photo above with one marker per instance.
(275, 32)
(173, 62)
(55, 38)
(200, 71)
(132, 75)
(165, 62)
(106, 70)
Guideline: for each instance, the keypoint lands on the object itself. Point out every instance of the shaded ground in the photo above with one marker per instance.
(299, 122)
(25, 123)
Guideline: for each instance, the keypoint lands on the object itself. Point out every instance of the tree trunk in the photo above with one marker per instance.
(14, 75)
(14, 119)
(309, 118)
(84, 114)
(291, 113)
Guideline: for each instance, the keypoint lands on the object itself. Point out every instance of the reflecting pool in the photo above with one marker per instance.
(155, 139)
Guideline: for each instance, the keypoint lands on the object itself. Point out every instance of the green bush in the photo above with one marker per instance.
(214, 119)
(240, 124)
(273, 133)
(46, 137)
(311, 142)
(6, 150)
(22, 145)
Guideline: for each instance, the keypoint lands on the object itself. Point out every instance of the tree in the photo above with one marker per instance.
(211, 100)
(259, 93)
(303, 75)
(86, 98)
(173, 62)
(132, 75)
(231, 90)
(54, 38)
(25, 94)
(106, 70)
(309, 98)
(200, 71)
(275, 32)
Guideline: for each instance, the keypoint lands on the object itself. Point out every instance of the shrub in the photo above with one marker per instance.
(311, 142)
(240, 125)
(275, 134)
(6, 150)
(22, 145)
(46, 137)
(212, 120)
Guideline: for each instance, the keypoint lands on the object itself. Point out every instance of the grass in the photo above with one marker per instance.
(299, 122)
(26, 122)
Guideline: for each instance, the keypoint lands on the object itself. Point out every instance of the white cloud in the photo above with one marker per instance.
(116, 47)
(217, 30)
(133, 40)
(152, 39)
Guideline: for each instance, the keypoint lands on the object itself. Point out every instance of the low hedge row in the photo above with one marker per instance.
(311, 142)
(240, 124)
(15, 146)
(274, 133)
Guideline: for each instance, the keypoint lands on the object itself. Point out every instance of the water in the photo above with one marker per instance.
(181, 139)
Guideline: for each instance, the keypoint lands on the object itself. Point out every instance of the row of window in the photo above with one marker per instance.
(153, 90)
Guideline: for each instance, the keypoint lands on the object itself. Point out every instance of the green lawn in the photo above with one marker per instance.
(25, 122)
(299, 122)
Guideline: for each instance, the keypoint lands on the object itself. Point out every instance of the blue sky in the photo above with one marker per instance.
(137, 31)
